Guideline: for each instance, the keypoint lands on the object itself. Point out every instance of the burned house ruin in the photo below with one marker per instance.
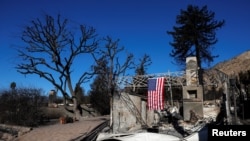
(133, 113)
(130, 110)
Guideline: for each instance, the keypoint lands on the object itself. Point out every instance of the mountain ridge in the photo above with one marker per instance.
(235, 65)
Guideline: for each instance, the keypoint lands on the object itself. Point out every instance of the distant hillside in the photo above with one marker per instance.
(231, 67)
(235, 65)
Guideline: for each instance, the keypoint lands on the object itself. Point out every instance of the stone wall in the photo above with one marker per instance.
(124, 120)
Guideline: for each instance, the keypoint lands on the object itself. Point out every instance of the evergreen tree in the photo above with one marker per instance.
(99, 96)
(194, 35)
(80, 94)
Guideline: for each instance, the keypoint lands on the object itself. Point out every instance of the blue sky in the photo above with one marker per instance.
(140, 25)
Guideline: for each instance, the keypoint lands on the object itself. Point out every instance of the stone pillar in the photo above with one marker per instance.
(192, 93)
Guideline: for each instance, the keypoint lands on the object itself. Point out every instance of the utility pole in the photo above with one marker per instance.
(233, 87)
(229, 118)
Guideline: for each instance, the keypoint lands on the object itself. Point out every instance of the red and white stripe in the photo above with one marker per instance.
(156, 97)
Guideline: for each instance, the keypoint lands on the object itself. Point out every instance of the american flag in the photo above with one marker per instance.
(155, 93)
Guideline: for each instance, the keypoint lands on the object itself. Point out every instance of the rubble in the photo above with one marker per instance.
(171, 127)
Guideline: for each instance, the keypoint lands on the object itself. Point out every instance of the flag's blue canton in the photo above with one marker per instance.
(152, 84)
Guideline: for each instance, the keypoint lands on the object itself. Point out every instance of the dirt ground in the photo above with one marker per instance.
(56, 131)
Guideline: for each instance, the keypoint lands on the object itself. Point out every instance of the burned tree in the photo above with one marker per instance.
(113, 68)
(140, 71)
(52, 48)
(142, 66)
(108, 64)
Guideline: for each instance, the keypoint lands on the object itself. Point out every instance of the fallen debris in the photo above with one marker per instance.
(171, 127)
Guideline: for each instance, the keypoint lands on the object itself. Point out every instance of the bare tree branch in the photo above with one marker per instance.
(52, 49)
(113, 68)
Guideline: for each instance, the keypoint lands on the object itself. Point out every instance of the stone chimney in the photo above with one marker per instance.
(192, 93)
